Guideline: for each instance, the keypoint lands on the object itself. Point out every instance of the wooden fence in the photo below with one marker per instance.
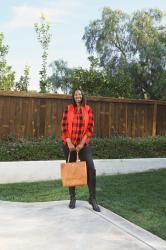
(35, 115)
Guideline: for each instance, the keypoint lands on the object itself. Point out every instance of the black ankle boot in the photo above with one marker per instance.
(72, 202)
(92, 201)
(72, 197)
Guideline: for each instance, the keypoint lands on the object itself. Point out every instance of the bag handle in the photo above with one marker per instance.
(76, 159)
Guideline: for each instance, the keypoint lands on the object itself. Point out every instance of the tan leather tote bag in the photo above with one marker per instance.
(73, 173)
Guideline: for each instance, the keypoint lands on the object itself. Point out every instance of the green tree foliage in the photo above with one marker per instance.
(65, 79)
(60, 79)
(22, 84)
(44, 37)
(7, 76)
(132, 46)
(92, 81)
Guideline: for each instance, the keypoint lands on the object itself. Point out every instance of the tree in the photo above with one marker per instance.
(133, 44)
(108, 37)
(60, 79)
(44, 37)
(149, 37)
(22, 84)
(92, 81)
(7, 76)
(65, 79)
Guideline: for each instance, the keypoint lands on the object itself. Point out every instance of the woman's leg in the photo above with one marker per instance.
(85, 155)
(72, 192)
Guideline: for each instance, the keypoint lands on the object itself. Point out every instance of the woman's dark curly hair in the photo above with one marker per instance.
(83, 101)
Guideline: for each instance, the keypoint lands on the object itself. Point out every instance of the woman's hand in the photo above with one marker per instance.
(79, 147)
(71, 146)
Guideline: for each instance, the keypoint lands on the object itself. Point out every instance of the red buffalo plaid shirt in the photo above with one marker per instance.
(78, 126)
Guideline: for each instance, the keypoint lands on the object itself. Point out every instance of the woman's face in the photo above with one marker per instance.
(78, 97)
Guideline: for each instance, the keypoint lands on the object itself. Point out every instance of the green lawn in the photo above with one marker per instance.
(140, 198)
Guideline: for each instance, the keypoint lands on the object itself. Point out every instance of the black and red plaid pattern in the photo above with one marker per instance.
(78, 126)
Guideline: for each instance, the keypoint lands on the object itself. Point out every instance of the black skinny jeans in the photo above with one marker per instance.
(84, 155)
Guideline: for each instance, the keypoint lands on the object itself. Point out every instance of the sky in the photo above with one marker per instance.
(68, 19)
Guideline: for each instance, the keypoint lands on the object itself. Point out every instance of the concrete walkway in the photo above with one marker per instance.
(53, 226)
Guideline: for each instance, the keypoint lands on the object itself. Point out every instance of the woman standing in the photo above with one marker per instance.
(77, 129)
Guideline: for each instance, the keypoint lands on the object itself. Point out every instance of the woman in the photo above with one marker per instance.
(77, 129)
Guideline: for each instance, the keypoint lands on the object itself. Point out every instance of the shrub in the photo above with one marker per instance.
(50, 148)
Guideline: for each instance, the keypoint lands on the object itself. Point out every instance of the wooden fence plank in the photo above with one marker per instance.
(154, 119)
